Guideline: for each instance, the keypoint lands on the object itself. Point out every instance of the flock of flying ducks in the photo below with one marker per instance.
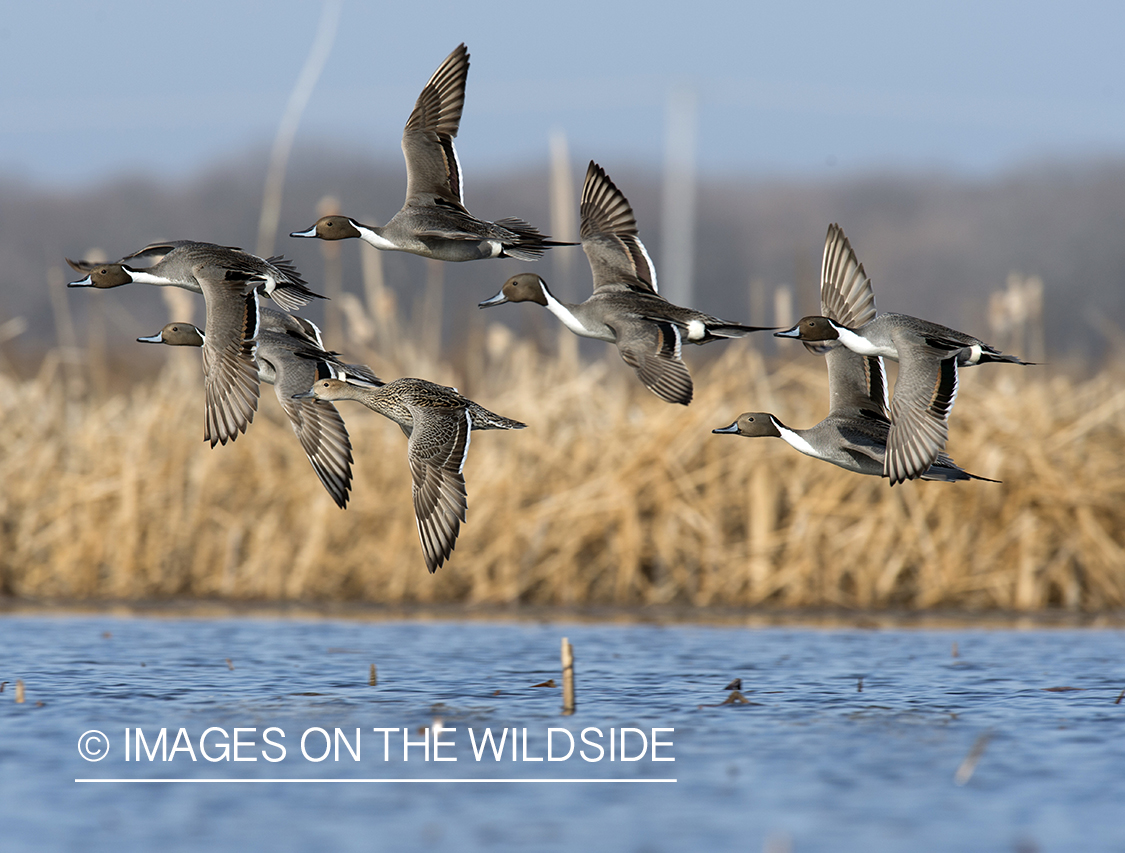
(245, 343)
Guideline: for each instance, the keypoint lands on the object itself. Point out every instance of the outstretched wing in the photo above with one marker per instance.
(229, 370)
(618, 259)
(846, 295)
(432, 169)
(652, 348)
(924, 394)
(439, 442)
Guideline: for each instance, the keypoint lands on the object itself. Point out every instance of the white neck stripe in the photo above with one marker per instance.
(564, 313)
(859, 344)
(142, 277)
(376, 240)
(795, 441)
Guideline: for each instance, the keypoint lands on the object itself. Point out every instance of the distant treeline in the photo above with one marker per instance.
(934, 245)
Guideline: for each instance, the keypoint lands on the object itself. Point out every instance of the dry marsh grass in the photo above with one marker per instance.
(610, 497)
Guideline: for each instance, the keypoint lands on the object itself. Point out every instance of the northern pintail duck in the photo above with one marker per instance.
(856, 443)
(288, 358)
(928, 355)
(854, 435)
(434, 221)
(437, 421)
(173, 264)
(626, 308)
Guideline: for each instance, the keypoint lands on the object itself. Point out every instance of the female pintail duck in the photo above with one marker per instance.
(437, 421)
(434, 221)
(290, 362)
(928, 356)
(625, 308)
(172, 264)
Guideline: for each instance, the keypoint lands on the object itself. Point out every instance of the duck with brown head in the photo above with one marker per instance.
(856, 432)
(625, 308)
(928, 355)
(291, 363)
(174, 264)
(434, 221)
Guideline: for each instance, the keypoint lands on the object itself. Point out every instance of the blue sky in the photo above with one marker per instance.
(783, 89)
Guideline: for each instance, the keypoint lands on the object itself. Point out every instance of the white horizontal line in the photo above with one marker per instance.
(437, 781)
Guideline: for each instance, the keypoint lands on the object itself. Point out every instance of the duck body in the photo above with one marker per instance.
(850, 442)
(434, 222)
(895, 336)
(626, 308)
(437, 421)
(179, 263)
(928, 355)
(287, 357)
(857, 432)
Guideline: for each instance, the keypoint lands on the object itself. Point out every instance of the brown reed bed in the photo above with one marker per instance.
(612, 497)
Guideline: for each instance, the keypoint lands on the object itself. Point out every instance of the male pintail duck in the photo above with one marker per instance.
(434, 221)
(856, 443)
(437, 421)
(854, 435)
(291, 363)
(625, 308)
(303, 337)
(928, 356)
(172, 264)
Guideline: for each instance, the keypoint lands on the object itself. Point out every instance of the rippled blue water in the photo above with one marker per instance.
(812, 764)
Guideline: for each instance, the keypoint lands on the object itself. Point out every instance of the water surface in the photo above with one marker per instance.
(811, 763)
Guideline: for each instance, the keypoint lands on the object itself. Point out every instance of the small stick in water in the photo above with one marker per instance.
(19, 691)
(229, 664)
(568, 677)
(859, 685)
(956, 653)
(965, 771)
(372, 676)
(1120, 695)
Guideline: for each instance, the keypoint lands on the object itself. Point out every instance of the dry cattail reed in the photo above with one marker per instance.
(610, 497)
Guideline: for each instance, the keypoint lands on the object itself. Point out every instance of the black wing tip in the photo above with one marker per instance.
(674, 395)
(595, 169)
(969, 476)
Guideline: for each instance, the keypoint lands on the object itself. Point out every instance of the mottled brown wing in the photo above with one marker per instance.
(439, 442)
